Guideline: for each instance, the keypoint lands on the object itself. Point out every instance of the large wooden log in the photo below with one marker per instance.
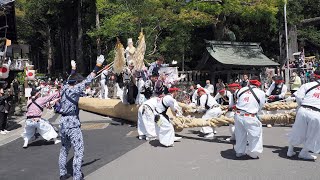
(112, 107)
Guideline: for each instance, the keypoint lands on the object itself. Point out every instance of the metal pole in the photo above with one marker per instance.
(287, 70)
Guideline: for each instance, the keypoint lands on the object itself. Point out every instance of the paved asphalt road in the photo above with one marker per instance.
(115, 153)
(40, 160)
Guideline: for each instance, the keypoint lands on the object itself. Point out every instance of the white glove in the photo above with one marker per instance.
(73, 63)
(100, 59)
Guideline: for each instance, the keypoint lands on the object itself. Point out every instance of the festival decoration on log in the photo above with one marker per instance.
(119, 59)
(138, 57)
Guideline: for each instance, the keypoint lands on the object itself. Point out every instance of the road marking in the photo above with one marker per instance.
(93, 126)
(132, 133)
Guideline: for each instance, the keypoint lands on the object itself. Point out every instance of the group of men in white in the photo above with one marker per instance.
(245, 104)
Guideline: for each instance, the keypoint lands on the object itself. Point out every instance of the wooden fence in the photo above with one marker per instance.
(194, 76)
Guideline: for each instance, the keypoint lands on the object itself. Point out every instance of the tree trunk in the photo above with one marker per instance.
(50, 50)
(63, 49)
(310, 22)
(79, 45)
(293, 43)
(98, 27)
(219, 28)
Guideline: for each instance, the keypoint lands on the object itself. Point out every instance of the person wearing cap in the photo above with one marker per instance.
(248, 128)
(70, 132)
(211, 109)
(104, 92)
(277, 90)
(166, 134)
(35, 106)
(233, 88)
(224, 97)
(146, 115)
(155, 66)
(195, 97)
(306, 128)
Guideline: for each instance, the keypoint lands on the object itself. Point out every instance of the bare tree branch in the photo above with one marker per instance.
(155, 45)
(310, 21)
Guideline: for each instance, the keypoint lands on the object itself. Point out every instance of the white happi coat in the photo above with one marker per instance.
(283, 90)
(164, 127)
(306, 128)
(140, 97)
(249, 129)
(214, 111)
(146, 113)
(226, 93)
(195, 95)
(104, 88)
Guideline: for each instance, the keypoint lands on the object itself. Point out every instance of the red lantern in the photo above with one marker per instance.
(31, 74)
(4, 71)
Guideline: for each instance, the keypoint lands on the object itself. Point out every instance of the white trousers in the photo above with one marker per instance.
(231, 126)
(146, 124)
(211, 113)
(43, 127)
(104, 92)
(248, 130)
(306, 130)
(165, 131)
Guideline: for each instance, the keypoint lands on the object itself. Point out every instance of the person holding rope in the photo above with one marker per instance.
(69, 123)
(211, 108)
(233, 88)
(164, 127)
(277, 90)
(248, 128)
(146, 115)
(224, 97)
(34, 121)
(306, 128)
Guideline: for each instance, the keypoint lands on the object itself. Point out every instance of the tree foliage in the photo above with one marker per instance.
(173, 28)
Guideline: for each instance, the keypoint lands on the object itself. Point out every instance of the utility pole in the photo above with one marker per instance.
(287, 70)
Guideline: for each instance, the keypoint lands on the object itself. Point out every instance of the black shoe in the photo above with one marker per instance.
(65, 177)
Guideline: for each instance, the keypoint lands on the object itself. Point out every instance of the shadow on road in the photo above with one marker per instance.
(70, 165)
(231, 154)
(156, 143)
(41, 142)
(282, 152)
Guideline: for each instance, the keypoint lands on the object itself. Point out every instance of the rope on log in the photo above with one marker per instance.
(280, 106)
(181, 122)
(190, 110)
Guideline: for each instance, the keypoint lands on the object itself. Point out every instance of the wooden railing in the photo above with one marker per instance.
(194, 76)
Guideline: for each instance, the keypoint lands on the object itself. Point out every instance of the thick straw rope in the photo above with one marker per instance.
(182, 122)
(189, 110)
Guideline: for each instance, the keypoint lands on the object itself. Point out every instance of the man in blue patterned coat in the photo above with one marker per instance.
(70, 124)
